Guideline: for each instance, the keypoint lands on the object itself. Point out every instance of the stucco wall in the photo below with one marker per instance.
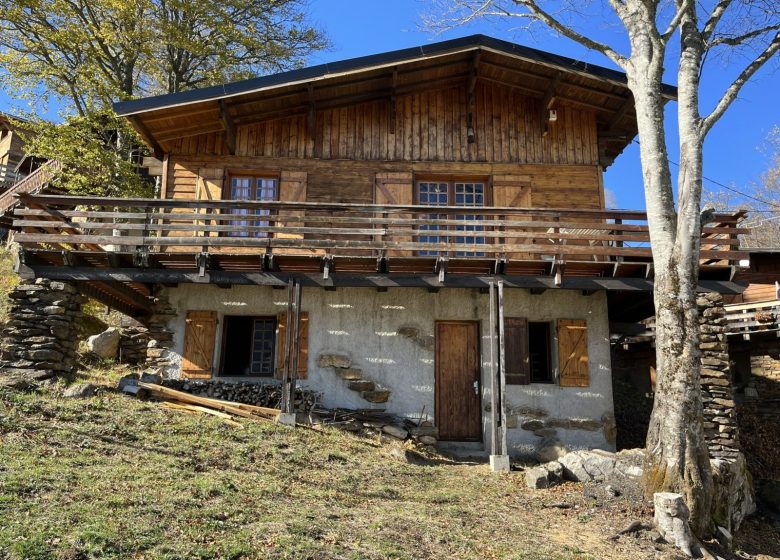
(363, 324)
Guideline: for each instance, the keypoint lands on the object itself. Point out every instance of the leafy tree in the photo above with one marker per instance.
(89, 147)
(653, 35)
(88, 53)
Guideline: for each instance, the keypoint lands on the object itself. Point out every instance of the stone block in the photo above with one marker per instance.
(334, 360)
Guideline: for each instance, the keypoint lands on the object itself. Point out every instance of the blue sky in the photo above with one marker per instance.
(733, 153)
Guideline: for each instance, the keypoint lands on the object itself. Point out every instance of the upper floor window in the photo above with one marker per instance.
(252, 187)
(471, 194)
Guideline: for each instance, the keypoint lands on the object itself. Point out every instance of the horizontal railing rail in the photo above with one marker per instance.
(353, 229)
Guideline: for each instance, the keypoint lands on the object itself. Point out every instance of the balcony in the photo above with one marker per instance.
(328, 244)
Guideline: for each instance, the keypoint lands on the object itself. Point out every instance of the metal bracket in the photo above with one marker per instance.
(141, 257)
(267, 263)
(382, 264)
(327, 266)
(441, 267)
(499, 266)
(68, 259)
(202, 262)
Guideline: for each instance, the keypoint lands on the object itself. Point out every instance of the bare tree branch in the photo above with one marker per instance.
(674, 24)
(733, 90)
(737, 40)
(556, 25)
(716, 15)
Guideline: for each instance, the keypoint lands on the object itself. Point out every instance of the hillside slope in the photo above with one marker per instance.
(113, 476)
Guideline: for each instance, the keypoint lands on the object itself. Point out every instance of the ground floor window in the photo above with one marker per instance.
(248, 346)
(528, 355)
(540, 352)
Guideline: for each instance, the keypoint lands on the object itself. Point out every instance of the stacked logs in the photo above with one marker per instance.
(258, 394)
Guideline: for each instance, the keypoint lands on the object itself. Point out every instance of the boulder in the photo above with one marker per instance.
(80, 391)
(584, 466)
(427, 440)
(550, 449)
(733, 499)
(105, 344)
(395, 431)
(544, 476)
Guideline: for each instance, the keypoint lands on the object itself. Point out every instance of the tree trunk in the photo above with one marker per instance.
(678, 457)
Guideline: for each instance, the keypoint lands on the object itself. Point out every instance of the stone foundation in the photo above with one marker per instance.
(160, 357)
(40, 340)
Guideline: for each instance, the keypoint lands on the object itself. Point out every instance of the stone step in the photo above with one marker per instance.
(350, 374)
(376, 396)
(361, 385)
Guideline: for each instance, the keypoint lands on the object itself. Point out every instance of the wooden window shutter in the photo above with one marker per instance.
(303, 344)
(573, 353)
(200, 333)
(292, 188)
(209, 187)
(395, 188)
(513, 191)
(516, 355)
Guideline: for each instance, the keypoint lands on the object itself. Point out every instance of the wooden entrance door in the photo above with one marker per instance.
(458, 410)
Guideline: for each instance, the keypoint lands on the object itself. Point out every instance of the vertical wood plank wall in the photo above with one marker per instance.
(350, 145)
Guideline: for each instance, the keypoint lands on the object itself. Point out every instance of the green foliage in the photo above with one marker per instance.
(94, 150)
(92, 52)
(8, 280)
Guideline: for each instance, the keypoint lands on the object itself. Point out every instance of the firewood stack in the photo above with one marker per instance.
(258, 394)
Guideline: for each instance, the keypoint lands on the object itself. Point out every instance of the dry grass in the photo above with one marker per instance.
(8, 279)
(116, 477)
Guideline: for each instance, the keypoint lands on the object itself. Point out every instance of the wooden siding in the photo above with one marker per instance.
(551, 186)
(430, 125)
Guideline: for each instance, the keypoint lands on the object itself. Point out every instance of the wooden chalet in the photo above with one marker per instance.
(436, 213)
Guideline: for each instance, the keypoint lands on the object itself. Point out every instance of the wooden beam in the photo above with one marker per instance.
(618, 116)
(311, 117)
(494, 439)
(146, 135)
(548, 100)
(373, 280)
(391, 107)
(229, 126)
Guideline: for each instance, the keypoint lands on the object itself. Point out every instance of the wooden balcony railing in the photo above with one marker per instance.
(118, 224)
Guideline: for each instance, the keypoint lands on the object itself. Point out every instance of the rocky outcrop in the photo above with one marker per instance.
(40, 340)
(586, 466)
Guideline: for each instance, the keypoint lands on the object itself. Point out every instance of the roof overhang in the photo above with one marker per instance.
(163, 118)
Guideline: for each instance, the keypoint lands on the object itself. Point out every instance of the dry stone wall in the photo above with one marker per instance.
(720, 421)
(40, 339)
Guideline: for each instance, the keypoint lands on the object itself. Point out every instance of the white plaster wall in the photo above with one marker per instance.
(363, 324)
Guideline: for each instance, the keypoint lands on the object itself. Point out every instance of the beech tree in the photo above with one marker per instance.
(677, 457)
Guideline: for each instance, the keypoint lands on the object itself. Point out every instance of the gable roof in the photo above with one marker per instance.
(160, 118)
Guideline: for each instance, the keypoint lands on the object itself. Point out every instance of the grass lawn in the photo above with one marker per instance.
(116, 477)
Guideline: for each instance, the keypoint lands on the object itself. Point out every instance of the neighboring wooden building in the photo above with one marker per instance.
(442, 208)
(12, 156)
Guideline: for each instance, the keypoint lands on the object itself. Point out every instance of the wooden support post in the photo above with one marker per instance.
(501, 367)
(494, 439)
(229, 126)
(295, 346)
(287, 344)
